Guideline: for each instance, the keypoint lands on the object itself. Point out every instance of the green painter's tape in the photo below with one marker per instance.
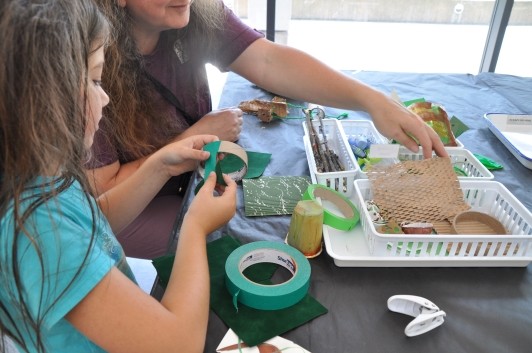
(210, 164)
(267, 297)
(348, 209)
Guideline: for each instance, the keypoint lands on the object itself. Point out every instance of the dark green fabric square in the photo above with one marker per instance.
(251, 325)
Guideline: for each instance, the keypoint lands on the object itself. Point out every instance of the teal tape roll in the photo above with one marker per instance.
(351, 215)
(267, 297)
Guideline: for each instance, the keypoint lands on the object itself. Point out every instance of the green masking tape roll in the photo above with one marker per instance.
(351, 215)
(267, 297)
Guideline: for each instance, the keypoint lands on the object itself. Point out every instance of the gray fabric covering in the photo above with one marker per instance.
(488, 309)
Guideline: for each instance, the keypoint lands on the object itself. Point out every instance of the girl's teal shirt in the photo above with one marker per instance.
(73, 263)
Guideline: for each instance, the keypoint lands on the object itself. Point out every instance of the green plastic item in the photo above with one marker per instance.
(490, 164)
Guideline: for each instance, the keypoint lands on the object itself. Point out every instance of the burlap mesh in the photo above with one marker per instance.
(417, 191)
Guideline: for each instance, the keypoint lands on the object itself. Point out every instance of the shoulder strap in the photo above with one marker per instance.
(171, 98)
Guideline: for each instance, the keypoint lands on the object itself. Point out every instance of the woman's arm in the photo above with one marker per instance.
(119, 317)
(292, 73)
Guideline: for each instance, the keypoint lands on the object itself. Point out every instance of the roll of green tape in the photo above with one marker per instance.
(351, 215)
(267, 297)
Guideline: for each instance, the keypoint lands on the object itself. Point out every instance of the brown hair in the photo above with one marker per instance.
(43, 78)
(130, 113)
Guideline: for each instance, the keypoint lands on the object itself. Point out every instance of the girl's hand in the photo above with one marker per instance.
(209, 212)
(183, 155)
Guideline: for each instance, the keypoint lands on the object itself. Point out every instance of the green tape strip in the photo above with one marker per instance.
(210, 164)
(345, 206)
(267, 297)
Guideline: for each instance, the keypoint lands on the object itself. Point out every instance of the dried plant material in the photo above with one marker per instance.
(417, 191)
(417, 228)
(436, 117)
(265, 110)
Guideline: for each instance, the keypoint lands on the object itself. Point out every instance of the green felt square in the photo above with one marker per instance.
(457, 126)
(251, 325)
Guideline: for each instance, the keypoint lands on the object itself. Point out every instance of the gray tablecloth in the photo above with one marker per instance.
(488, 309)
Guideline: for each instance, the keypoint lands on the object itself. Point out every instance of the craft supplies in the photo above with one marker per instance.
(325, 157)
(436, 117)
(265, 110)
(231, 343)
(417, 191)
(427, 315)
(448, 249)
(341, 181)
(489, 163)
(338, 211)
(273, 195)
(305, 231)
(474, 222)
(225, 147)
(417, 228)
(261, 296)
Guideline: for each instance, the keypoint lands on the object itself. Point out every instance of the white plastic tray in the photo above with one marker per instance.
(515, 132)
(349, 249)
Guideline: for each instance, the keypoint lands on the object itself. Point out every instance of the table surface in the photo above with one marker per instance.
(488, 309)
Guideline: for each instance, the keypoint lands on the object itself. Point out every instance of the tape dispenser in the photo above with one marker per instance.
(427, 315)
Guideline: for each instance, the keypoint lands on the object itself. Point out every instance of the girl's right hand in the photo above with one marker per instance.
(210, 212)
(182, 156)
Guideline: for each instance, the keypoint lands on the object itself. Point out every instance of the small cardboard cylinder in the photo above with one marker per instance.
(306, 228)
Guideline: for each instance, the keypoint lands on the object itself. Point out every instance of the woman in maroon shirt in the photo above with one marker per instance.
(159, 92)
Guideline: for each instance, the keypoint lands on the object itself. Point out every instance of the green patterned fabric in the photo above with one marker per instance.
(274, 195)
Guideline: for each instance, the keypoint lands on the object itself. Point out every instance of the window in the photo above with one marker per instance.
(389, 35)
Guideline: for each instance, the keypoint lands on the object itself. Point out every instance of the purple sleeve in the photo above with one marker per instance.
(103, 151)
(235, 37)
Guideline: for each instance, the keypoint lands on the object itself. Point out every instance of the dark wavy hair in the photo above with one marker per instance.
(130, 115)
(44, 53)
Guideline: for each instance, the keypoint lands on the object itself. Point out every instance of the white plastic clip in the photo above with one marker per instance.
(427, 315)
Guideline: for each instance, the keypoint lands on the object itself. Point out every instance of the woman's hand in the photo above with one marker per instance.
(224, 123)
(394, 121)
(210, 212)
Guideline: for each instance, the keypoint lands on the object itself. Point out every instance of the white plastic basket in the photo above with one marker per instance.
(460, 157)
(367, 129)
(485, 196)
(341, 181)
(362, 127)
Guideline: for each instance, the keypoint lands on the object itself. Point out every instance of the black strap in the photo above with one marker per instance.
(171, 98)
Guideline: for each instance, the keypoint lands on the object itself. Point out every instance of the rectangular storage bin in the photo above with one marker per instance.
(460, 157)
(341, 181)
(367, 130)
(484, 196)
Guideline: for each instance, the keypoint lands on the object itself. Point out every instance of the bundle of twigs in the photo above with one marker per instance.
(326, 159)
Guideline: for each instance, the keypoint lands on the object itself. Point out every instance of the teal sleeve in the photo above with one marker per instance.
(74, 261)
